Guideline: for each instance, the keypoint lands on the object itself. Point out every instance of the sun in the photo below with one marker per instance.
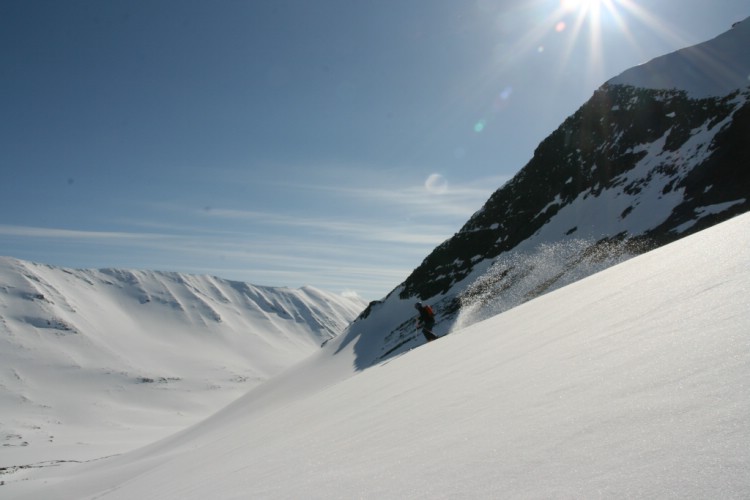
(580, 4)
(577, 31)
(586, 8)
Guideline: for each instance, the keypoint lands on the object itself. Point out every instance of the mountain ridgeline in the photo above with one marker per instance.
(143, 352)
(656, 154)
(641, 146)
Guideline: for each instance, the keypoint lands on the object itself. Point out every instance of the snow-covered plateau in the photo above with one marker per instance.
(630, 383)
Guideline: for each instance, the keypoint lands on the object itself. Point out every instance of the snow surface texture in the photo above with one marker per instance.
(713, 68)
(630, 383)
(518, 276)
(99, 362)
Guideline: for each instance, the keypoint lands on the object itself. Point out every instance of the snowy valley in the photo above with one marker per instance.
(97, 362)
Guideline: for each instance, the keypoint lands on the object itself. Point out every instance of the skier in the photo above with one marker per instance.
(426, 320)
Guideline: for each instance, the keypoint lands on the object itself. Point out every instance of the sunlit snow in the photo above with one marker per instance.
(98, 362)
(630, 383)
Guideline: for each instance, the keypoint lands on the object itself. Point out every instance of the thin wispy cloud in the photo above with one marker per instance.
(74, 234)
(410, 195)
(341, 256)
(385, 228)
(366, 230)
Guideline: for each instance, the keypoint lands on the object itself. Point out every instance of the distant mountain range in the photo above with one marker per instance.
(659, 152)
(88, 350)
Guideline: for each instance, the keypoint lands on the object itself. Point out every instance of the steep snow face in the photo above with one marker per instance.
(93, 362)
(631, 383)
(711, 69)
(632, 169)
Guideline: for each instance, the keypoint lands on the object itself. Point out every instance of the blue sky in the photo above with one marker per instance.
(332, 143)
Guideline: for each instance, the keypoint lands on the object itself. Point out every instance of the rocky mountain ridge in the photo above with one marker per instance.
(637, 166)
(660, 164)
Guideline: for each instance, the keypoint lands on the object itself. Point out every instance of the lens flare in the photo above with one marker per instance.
(597, 16)
(581, 25)
(436, 184)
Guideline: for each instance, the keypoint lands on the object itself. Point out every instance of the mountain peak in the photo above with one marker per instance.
(710, 69)
(656, 154)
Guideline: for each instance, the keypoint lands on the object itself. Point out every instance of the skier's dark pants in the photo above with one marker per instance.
(427, 330)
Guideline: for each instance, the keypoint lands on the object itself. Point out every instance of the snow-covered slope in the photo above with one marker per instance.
(632, 169)
(713, 68)
(630, 383)
(95, 362)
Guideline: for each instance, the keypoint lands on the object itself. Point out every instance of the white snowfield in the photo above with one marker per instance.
(99, 362)
(631, 383)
